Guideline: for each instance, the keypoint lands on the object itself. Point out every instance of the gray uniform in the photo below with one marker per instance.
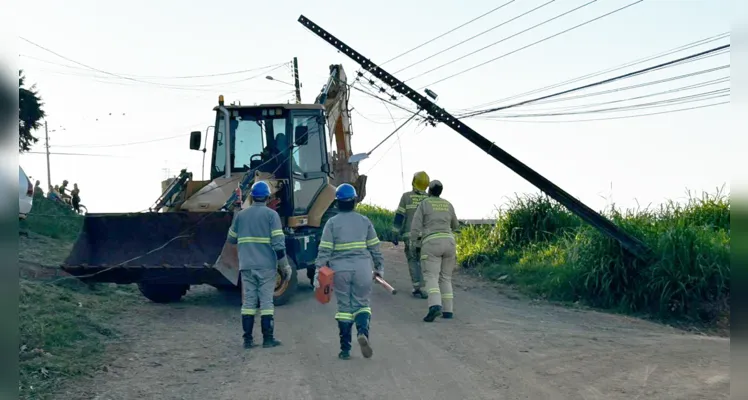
(258, 233)
(348, 245)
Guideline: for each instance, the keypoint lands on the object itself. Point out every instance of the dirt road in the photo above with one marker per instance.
(497, 347)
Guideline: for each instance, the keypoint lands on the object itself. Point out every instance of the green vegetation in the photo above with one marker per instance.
(63, 323)
(52, 219)
(545, 250)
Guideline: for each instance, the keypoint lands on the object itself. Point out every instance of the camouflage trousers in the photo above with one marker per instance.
(413, 255)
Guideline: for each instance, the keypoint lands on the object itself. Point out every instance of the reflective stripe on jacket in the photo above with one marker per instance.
(258, 233)
(434, 217)
(349, 242)
(405, 210)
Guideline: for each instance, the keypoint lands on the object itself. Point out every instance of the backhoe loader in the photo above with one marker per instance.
(181, 241)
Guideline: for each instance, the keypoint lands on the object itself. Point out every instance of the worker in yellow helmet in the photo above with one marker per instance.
(401, 228)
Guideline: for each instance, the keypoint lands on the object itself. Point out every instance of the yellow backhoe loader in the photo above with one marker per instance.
(181, 241)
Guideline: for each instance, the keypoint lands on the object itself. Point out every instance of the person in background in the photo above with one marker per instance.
(38, 189)
(53, 195)
(401, 229)
(75, 193)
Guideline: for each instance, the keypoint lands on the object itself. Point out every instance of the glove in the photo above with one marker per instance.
(284, 267)
(315, 283)
(395, 241)
(379, 273)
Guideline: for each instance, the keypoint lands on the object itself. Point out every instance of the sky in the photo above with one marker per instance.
(632, 162)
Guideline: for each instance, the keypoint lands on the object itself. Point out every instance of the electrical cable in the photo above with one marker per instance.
(448, 32)
(604, 118)
(123, 144)
(637, 86)
(660, 103)
(533, 44)
(156, 76)
(502, 40)
(605, 81)
(383, 155)
(616, 68)
(473, 37)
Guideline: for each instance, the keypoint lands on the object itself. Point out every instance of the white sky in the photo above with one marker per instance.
(621, 160)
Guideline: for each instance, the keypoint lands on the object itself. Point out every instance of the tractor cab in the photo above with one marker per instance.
(283, 143)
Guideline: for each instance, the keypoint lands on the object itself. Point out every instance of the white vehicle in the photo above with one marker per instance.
(25, 194)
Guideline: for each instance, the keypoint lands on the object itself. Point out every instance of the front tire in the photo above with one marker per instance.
(160, 293)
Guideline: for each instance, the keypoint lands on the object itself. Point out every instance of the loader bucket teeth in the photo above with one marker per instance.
(165, 248)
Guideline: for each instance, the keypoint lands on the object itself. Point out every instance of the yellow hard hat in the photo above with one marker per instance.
(421, 180)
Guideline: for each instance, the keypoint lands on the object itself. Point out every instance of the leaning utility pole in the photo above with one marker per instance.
(604, 225)
(296, 82)
(46, 144)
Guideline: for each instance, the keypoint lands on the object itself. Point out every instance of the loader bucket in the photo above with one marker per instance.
(168, 248)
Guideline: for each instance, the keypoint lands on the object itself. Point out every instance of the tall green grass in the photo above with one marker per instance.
(542, 248)
(52, 219)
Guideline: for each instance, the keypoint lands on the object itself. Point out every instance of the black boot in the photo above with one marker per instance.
(345, 328)
(447, 315)
(362, 330)
(434, 311)
(266, 322)
(419, 294)
(248, 322)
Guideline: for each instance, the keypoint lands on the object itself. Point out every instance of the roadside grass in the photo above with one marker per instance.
(544, 250)
(64, 324)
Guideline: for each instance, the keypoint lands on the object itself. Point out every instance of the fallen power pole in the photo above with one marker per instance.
(627, 241)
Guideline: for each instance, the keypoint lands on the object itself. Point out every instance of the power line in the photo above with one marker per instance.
(609, 80)
(448, 32)
(502, 40)
(604, 118)
(127, 78)
(534, 43)
(123, 144)
(660, 103)
(616, 68)
(680, 89)
(637, 86)
(471, 38)
(160, 76)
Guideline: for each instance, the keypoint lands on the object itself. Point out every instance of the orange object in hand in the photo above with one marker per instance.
(324, 292)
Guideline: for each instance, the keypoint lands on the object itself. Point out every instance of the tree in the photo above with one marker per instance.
(30, 113)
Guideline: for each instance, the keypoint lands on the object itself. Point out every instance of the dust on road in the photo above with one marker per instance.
(497, 347)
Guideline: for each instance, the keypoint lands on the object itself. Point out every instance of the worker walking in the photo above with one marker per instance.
(349, 244)
(401, 228)
(261, 248)
(434, 221)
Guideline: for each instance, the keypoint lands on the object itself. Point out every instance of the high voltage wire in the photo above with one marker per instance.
(123, 144)
(161, 76)
(616, 68)
(609, 80)
(603, 118)
(132, 79)
(474, 36)
(448, 32)
(531, 44)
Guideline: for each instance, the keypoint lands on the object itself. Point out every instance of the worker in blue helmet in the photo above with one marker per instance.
(261, 247)
(349, 244)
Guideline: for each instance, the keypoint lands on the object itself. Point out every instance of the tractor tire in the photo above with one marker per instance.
(160, 293)
(284, 290)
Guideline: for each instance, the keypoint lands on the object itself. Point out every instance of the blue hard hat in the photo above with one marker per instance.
(345, 192)
(260, 189)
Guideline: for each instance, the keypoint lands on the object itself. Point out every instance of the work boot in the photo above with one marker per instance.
(418, 293)
(345, 328)
(362, 330)
(434, 311)
(447, 315)
(248, 323)
(266, 322)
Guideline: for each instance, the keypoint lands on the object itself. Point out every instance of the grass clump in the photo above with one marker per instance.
(63, 329)
(381, 218)
(52, 219)
(545, 250)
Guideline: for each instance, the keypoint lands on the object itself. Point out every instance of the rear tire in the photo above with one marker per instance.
(284, 290)
(160, 293)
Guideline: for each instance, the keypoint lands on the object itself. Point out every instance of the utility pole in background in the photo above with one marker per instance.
(296, 82)
(46, 144)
